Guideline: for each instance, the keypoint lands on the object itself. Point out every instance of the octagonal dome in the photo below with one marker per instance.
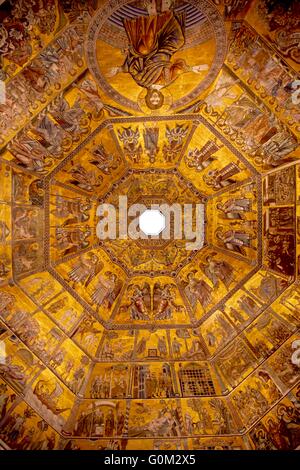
(141, 343)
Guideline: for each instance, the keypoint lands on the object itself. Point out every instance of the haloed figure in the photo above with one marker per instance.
(153, 40)
(154, 99)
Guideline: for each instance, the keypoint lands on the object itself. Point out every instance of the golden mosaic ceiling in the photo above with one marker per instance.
(140, 344)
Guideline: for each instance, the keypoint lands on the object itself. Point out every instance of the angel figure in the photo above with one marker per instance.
(106, 290)
(175, 138)
(233, 240)
(105, 162)
(140, 302)
(151, 138)
(197, 291)
(85, 269)
(218, 179)
(70, 118)
(74, 210)
(30, 154)
(83, 179)
(164, 302)
(152, 41)
(70, 241)
(234, 208)
(275, 149)
(201, 158)
(217, 271)
(50, 136)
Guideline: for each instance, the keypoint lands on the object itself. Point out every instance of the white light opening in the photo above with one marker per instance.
(152, 222)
